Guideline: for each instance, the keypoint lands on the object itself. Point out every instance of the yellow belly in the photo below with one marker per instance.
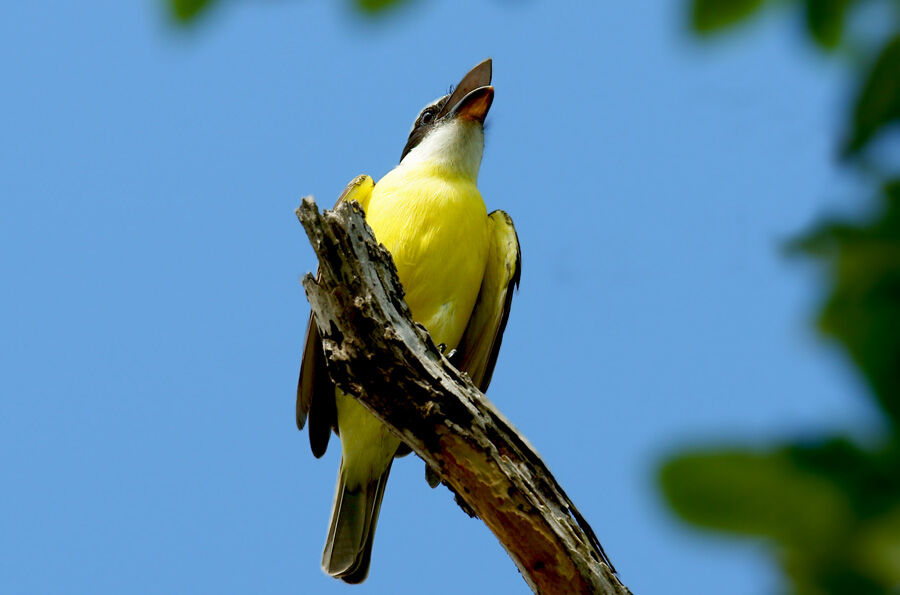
(437, 231)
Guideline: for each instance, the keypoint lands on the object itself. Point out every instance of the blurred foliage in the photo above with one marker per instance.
(879, 101)
(187, 11)
(710, 15)
(830, 508)
(863, 310)
(825, 20)
(377, 6)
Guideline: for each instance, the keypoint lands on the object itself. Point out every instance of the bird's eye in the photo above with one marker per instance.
(428, 117)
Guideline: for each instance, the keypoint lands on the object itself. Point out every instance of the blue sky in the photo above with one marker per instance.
(153, 315)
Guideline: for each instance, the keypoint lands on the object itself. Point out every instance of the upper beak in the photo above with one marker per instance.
(473, 96)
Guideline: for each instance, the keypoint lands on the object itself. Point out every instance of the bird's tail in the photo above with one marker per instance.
(348, 549)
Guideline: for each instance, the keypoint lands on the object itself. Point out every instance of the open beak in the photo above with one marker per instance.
(473, 96)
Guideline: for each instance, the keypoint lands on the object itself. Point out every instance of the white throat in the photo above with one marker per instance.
(455, 146)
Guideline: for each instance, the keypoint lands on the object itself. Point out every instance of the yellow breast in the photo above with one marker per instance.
(435, 225)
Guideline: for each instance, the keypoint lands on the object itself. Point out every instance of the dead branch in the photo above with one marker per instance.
(378, 354)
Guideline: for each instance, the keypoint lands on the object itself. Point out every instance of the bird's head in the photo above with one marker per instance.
(449, 132)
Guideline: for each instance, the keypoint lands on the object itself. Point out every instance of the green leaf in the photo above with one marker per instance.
(879, 548)
(761, 494)
(710, 15)
(825, 20)
(862, 311)
(186, 11)
(868, 478)
(830, 507)
(374, 7)
(879, 102)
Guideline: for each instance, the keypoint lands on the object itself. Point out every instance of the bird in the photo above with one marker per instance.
(458, 266)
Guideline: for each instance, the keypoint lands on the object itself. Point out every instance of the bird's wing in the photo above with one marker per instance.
(480, 344)
(315, 391)
(359, 189)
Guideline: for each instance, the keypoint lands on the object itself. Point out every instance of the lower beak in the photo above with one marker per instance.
(475, 105)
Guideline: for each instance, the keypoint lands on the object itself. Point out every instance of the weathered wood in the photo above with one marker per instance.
(378, 354)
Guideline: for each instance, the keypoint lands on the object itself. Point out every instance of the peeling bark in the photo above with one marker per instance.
(377, 353)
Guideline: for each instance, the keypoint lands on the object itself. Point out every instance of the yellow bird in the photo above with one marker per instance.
(458, 266)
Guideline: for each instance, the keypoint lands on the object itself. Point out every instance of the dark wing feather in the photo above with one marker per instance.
(315, 391)
(477, 351)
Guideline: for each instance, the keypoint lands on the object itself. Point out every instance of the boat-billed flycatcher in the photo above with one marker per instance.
(457, 265)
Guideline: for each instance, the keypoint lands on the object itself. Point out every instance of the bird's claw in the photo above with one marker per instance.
(450, 355)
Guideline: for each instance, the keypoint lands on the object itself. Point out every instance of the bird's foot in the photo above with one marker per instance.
(451, 355)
